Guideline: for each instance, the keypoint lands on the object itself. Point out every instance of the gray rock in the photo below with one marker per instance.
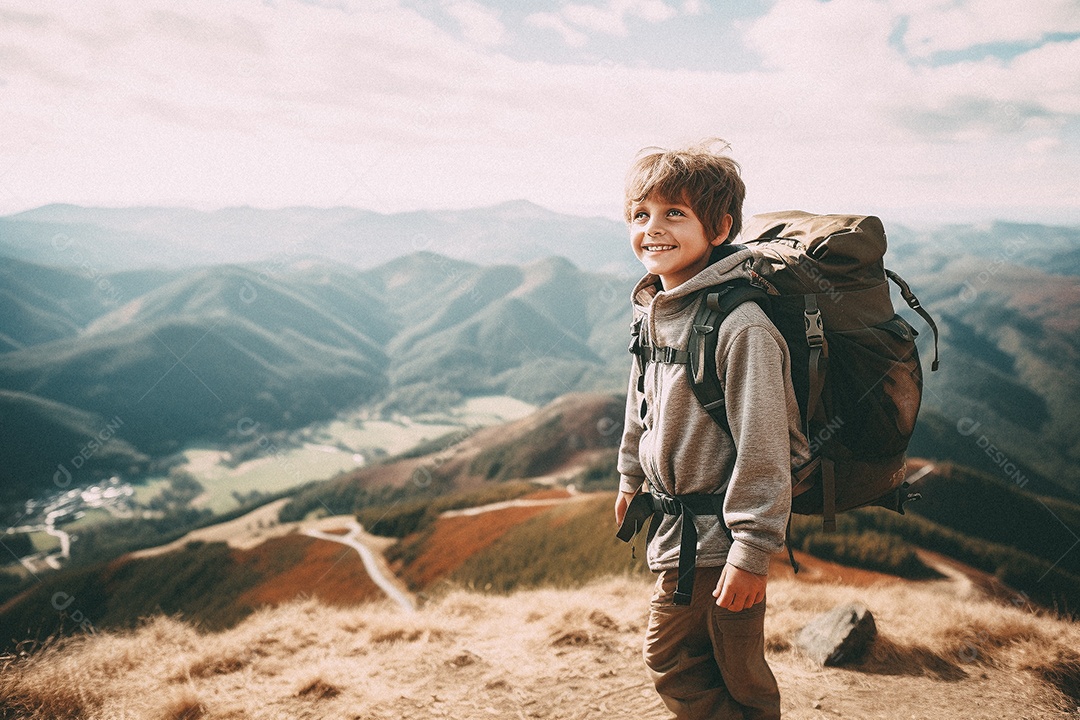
(838, 636)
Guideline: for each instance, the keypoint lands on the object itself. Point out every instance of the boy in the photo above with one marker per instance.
(705, 650)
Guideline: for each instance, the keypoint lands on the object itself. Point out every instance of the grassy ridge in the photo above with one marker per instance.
(209, 584)
(346, 496)
(559, 434)
(544, 451)
(401, 519)
(861, 548)
(982, 506)
(566, 546)
(200, 581)
(1040, 580)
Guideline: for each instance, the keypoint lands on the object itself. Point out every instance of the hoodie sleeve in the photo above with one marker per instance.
(631, 476)
(758, 499)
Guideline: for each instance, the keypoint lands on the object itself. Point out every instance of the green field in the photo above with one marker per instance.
(148, 489)
(92, 516)
(489, 410)
(44, 542)
(321, 452)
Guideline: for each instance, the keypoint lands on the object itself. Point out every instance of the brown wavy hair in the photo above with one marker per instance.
(701, 176)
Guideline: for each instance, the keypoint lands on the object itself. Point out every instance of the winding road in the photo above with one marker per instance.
(376, 566)
(503, 505)
(372, 564)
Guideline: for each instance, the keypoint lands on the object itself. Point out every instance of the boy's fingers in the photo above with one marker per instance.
(620, 508)
(720, 584)
(731, 601)
(728, 597)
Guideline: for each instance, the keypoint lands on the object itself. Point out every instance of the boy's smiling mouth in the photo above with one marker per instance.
(657, 248)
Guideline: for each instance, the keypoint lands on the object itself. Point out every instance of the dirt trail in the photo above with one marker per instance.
(958, 582)
(572, 496)
(373, 561)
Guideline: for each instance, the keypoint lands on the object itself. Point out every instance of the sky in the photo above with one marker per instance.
(917, 110)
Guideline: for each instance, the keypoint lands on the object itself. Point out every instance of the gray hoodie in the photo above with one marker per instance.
(680, 449)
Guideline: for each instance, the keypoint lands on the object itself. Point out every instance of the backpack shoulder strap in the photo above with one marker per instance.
(704, 376)
(637, 349)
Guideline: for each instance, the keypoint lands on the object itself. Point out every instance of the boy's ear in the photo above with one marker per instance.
(725, 228)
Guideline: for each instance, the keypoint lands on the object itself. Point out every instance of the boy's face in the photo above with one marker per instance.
(670, 241)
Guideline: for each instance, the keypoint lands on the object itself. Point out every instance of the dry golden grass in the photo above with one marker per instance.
(548, 654)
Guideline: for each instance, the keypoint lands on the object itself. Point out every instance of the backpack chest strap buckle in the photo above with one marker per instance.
(815, 329)
(667, 355)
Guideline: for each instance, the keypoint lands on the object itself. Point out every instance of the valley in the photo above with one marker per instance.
(527, 503)
(219, 482)
(382, 448)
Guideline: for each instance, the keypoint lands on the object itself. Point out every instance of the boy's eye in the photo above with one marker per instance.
(640, 215)
(674, 211)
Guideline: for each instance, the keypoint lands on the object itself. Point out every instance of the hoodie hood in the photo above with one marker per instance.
(733, 265)
(657, 305)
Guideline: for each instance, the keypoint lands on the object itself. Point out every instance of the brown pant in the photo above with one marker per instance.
(708, 662)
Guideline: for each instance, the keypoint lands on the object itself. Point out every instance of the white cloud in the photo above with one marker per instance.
(573, 19)
(208, 104)
(553, 21)
(1043, 145)
(942, 25)
(836, 59)
(479, 23)
(693, 7)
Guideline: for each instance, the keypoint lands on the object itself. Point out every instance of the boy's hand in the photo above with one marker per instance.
(621, 503)
(739, 589)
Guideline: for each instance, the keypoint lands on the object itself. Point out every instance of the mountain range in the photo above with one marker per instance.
(177, 325)
(126, 335)
(110, 239)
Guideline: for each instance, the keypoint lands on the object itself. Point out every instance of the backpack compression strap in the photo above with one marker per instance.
(914, 304)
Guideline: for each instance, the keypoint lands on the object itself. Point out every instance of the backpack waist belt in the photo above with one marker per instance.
(688, 507)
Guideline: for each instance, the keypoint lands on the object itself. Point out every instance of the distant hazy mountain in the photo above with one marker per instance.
(183, 353)
(108, 239)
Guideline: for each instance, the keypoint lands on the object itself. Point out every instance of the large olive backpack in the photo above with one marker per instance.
(854, 365)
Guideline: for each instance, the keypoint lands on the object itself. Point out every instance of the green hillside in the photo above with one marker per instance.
(60, 432)
(185, 378)
(39, 303)
(565, 546)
